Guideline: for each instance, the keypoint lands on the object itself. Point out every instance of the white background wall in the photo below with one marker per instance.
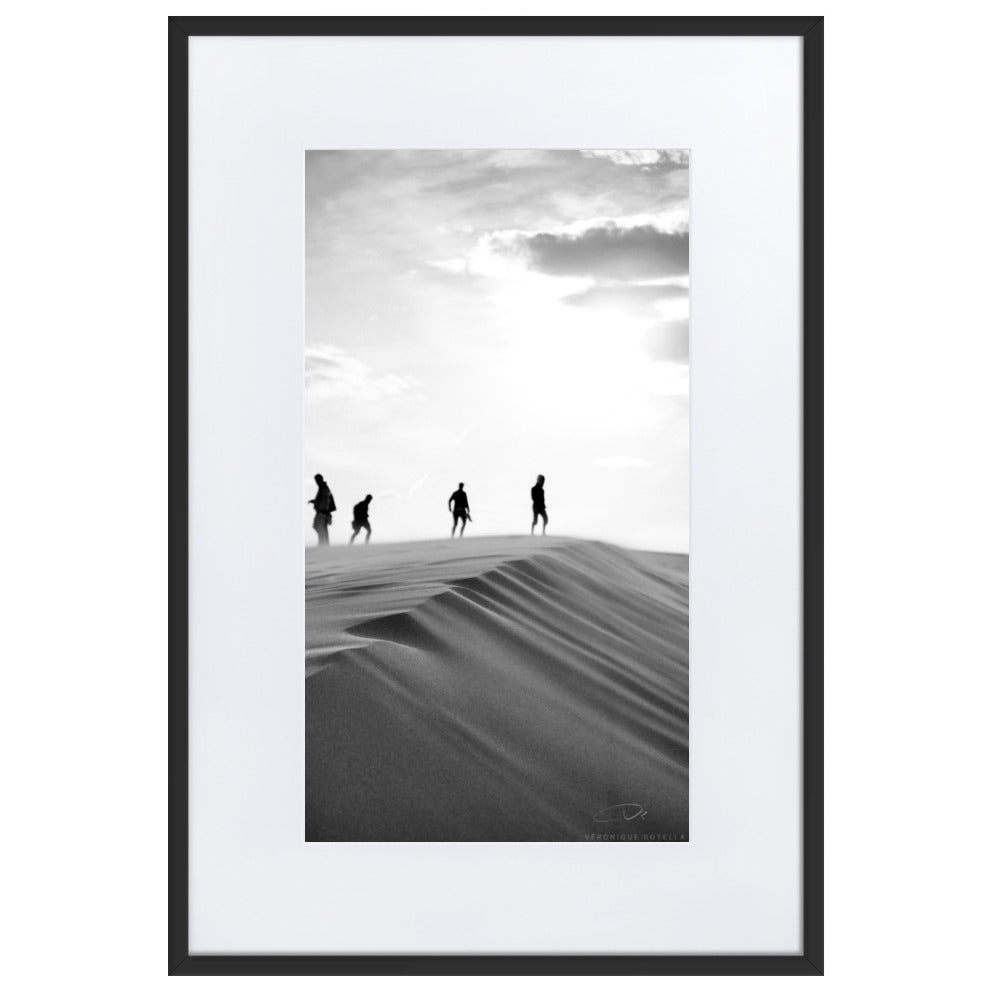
(911, 504)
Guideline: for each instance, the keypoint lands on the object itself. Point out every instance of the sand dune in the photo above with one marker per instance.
(496, 689)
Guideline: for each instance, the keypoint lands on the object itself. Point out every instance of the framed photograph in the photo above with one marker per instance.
(496, 492)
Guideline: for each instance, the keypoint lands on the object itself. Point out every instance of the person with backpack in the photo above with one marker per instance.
(361, 519)
(324, 506)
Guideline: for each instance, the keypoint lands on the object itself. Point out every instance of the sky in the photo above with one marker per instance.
(487, 316)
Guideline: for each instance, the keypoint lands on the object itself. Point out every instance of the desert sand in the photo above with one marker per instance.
(505, 688)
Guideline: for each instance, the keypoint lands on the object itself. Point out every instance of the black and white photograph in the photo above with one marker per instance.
(496, 495)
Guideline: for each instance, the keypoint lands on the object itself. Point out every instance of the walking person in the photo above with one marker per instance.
(324, 506)
(458, 504)
(361, 519)
(538, 504)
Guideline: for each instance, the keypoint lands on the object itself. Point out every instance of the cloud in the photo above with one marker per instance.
(630, 298)
(637, 248)
(639, 157)
(333, 373)
(610, 252)
(621, 462)
(667, 341)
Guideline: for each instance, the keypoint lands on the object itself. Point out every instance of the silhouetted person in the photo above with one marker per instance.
(361, 519)
(538, 505)
(324, 506)
(460, 509)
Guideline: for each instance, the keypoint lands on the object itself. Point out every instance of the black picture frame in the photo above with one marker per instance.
(810, 961)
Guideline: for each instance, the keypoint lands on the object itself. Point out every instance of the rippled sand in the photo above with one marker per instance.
(503, 688)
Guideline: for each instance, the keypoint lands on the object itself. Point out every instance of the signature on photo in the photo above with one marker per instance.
(626, 811)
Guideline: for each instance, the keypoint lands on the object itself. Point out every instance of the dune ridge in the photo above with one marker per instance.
(496, 689)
